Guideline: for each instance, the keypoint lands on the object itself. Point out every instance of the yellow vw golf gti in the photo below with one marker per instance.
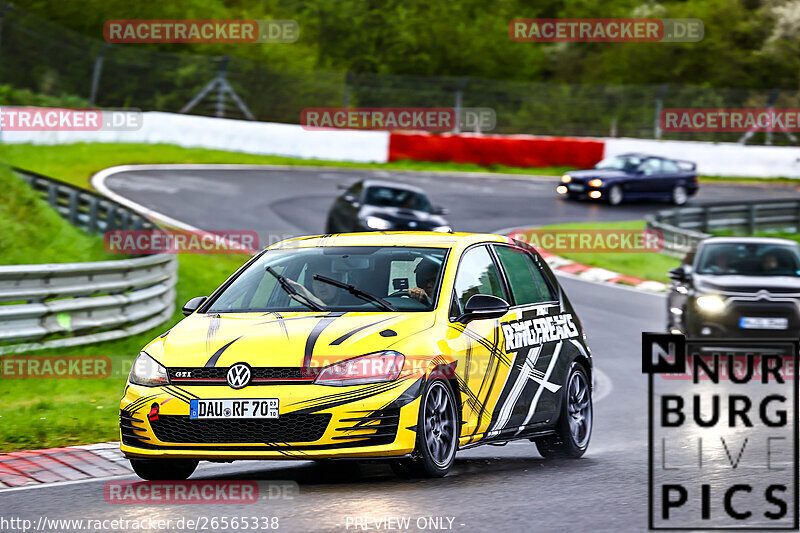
(403, 347)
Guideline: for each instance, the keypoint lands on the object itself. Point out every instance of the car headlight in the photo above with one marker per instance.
(443, 229)
(372, 368)
(377, 222)
(566, 178)
(711, 303)
(148, 372)
(561, 189)
(596, 183)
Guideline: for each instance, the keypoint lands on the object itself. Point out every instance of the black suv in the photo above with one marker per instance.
(737, 287)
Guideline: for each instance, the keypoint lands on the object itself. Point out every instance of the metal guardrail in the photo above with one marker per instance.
(87, 210)
(57, 305)
(683, 227)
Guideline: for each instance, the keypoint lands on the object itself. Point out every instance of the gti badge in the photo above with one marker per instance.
(238, 376)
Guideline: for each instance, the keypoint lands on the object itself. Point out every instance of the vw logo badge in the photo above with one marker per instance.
(238, 376)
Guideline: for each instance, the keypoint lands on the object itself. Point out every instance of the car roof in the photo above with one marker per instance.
(749, 240)
(642, 156)
(425, 239)
(392, 185)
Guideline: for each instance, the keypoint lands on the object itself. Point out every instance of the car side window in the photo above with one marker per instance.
(477, 274)
(528, 285)
(651, 166)
(670, 167)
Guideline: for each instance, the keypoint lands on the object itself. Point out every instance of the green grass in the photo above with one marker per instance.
(32, 232)
(39, 413)
(651, 266)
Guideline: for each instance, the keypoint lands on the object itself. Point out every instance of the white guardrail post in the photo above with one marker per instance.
(69, 304)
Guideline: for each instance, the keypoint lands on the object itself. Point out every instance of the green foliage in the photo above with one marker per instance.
(23, 97)
(747, 43)
(32, 232)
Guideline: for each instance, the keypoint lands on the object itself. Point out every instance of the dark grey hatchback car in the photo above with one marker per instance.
(371, 205)
(737, 287)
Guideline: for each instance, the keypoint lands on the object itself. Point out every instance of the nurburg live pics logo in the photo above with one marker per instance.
(722, 433)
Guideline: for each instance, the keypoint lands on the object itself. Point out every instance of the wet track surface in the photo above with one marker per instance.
(490, 488)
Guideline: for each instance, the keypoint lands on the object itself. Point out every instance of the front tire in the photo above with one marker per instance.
(164, 469)
(438, 426)
(574, 427)
(615, 195)
(679, 195)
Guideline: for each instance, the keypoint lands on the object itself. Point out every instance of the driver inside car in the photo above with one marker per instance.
(426, 273)
(319, 292)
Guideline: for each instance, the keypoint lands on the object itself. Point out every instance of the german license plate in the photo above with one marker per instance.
(749, 322)
(575, 187)
(238, 408)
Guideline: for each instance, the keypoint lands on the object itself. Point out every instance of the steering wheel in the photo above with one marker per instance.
(403, 293)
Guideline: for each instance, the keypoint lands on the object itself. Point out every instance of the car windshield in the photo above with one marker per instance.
(627, 163)
(406, 278)
(749, 259)
(390, 197)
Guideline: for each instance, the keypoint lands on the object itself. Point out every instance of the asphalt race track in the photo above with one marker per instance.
(490, 488)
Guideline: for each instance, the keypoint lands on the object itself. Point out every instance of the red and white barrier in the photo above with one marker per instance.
(291, 140)
(508, 150)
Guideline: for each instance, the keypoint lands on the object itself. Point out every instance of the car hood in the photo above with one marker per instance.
(581, 176)
(399, 215)
(287, 339)
(734, 283)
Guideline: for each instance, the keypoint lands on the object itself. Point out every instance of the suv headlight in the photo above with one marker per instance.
(377, 222)
(148, 372)
(711, 303)
(372, 368)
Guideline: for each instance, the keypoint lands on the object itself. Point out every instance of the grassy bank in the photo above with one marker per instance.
(646, 265)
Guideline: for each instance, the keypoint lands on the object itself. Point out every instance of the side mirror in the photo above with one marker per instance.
(438, 210)
(678, 274)
(480, 306)
(192, 305)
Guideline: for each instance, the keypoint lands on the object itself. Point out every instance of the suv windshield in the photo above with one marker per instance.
(749, 259)
(406, 278)
(389, 197)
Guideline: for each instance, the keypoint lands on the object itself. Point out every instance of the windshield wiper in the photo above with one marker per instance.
(355, 291)
(285, 285)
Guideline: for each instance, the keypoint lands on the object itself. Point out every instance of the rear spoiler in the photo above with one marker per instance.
(686, 165)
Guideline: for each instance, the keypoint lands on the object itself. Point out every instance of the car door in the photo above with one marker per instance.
(482, 363)
(534, 332)
(648, 180)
